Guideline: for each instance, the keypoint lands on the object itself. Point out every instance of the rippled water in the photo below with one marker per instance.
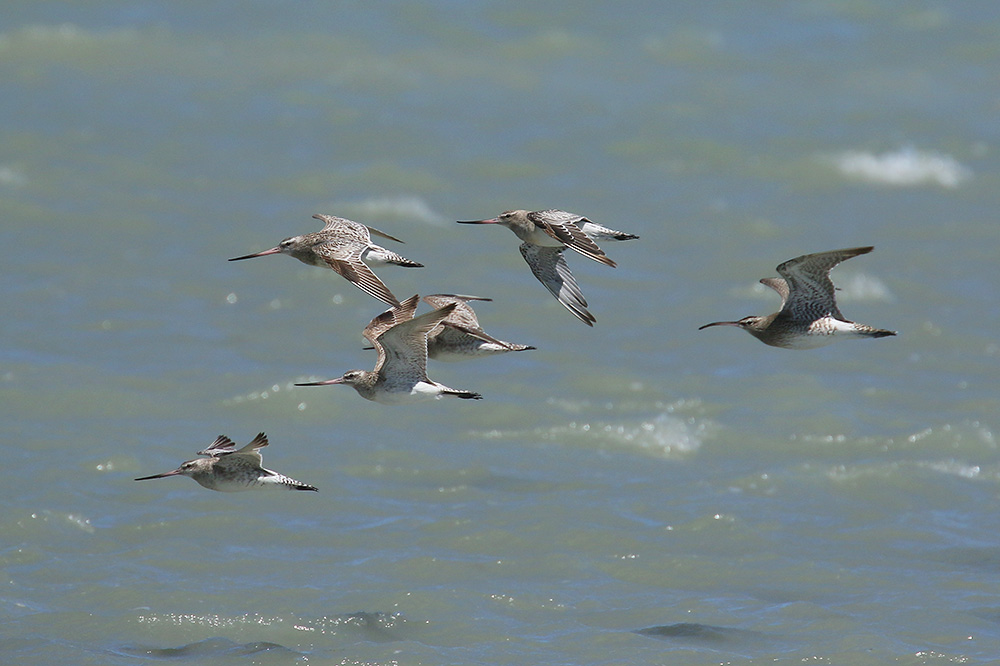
(640, 492)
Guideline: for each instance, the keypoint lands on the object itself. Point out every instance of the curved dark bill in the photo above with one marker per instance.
(720, 323)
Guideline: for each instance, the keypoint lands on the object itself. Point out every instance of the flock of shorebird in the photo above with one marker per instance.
(808, 318)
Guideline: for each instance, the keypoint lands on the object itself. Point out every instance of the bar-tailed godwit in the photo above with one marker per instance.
(228, 469)
(459, 336)
(400, 374)
(346, 247)
(545, 234)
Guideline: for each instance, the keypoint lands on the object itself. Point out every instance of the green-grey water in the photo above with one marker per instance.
(636, 493)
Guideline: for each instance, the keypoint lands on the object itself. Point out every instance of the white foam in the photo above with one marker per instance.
(906, 167)
(208, 620)
(851, 287)
(954, 468)
(862, 287)
(663, 436)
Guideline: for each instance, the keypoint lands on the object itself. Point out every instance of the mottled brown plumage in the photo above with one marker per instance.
(345, 246)
(545, 234)
(459, 336)
(228, 469)
(400, 374)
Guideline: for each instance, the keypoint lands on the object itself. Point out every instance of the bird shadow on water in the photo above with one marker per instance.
(215, 648)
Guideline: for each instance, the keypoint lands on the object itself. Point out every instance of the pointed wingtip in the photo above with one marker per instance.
(378, 232)
(410, 302)
(580, 312)
(461, 297)
(222, 444)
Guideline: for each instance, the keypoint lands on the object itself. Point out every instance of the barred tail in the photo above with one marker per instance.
(871, 332)
(287, 482)
(380, 255)
(881, 333)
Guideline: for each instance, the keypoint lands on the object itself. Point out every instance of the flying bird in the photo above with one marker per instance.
(346, 247)
(545, 235)
(400, 374)
(809, 316)
(228, 469)
(459, 336)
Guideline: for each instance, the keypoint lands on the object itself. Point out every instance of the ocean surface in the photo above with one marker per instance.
(639, 492)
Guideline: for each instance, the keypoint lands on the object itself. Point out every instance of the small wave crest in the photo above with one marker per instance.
(210, 647)
(666, 435)
(862, 287)
(376, 625)
(906, 167)
(207, 620)
(857, 287)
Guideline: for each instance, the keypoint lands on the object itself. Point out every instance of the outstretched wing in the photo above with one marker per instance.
(346, 260)
(810, 291)
(549, 266)
(564, 227)
(779, 285)
(462, 323)
(341, 227)
(391, 317)
(251, 452)
(220, 446)
(383, 234)
(403, 347)
(350, 229)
